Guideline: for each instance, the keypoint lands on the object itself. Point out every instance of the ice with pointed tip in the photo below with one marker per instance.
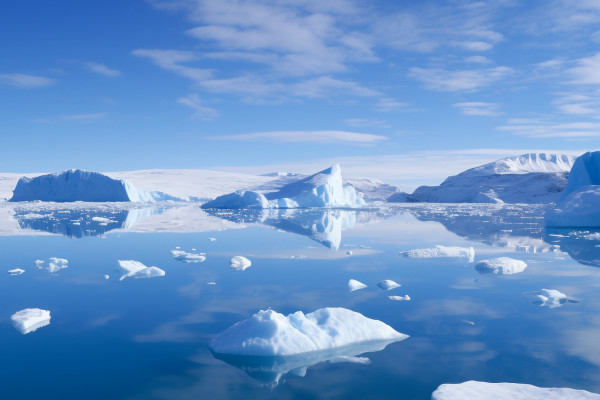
(355, 285)
(186, 257)
(17, 271)
(500, 266)
(136, 269)
(507, 391)
(30, 319)
(387, 284)
(240, 263)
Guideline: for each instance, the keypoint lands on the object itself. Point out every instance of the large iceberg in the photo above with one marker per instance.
(501, 265)
(441, 251)
(323, 189)
(529, 178)
(269, 333)
(30, 319)
(78, 185)
(507, 391)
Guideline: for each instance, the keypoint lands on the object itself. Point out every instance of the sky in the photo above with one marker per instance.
(405, 91)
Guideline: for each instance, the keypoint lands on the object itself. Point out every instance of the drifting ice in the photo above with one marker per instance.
(549, 297)
(56, 264)
(187, 257)
(502, 266)
(388, 285)
(507, 391)
(138, 270)
(399, 297)
(240, 263)
(17, 271)
(441, 251)
(355, 285)
(30, 319)
(269, 333)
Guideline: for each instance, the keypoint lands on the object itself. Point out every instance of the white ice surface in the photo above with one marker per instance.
(441, 251)
(548, 297)
(580, 209)
(149, 272)
(585, 172)
(17, 271)
(269, 333)
(387, 285)
(56, 264)
(372, 189)
(186, 257)
(240, 263)
(355, 285)
(30, 319)
(407, 297)
(501, 266)
(138, 270)
(473, 390)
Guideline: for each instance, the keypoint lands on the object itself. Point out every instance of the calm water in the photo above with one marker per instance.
(148, 338)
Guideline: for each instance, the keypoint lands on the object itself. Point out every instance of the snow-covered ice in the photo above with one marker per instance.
(186, 257)
(388, 285)
(407, 297)
(17, 271)
(355, 285)
(136, 269)
(150, 272)
(372, 189)
(30, 319)
(240, 263)
(56, 264)
(548, 297)
(501, 266)
(473, 390)
(269, 333)
(106, 276)
(441, 251)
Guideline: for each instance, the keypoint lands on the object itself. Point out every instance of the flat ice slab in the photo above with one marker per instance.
(388, 285)
(30, 319)
(17, 271)
(473, 390)
(240, 263)
(355, 285)
(185, 257)
(136, 269)
(441, 251)
(269, 333)
(501, 266)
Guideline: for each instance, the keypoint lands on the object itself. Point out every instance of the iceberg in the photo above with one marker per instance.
(407, 297)
(441, 251)
(388, 285)
(529, 178)
(56, 264)
(136, 269)
(77, 185)
(17, 271)
(38, 264)
(30, 319)
(501, 265)
(507, 391)
(240, 263)
(355, 285)
(548, 297)
(185, 257)
(269, 333)
(323, 189)
(585, 172)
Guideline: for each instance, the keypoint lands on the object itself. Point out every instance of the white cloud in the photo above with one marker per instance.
(101, 69)
(478, 108)
(362, 122)
(193, 101)
(474, 46)
(466, 80)
(478, 60)
(587, 71)
(545, 129)
(386, 104)
(26, 81)
(171, 60)
(306, 137)
(75, 117)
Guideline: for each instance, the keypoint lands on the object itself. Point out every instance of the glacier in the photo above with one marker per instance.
(77, 185)
(269, 333)
(501, 265)
(529, 178)
(507, 391)
(30, 319)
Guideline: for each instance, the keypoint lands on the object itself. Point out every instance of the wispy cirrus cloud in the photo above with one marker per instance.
(543, 128)
(364, 122)
(478, 108)
(305, 137)
(101, 69)
(26, 81)
(466, 80)
(75, 117)
(193, 101)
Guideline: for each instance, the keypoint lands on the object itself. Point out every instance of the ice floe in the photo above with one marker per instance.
(17, 271)
(106, 276)
(407, 297)
(56, 264)
(38, 263)
(268, 333)
(507, 391)
(136, 269)
(185, 257)
(441, 251)
(30, 319)
(355, 285)
(388, 285)
(501, 266)
(548, 297)
(240, 263)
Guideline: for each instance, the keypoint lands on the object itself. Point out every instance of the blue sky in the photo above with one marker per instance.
(406, 91)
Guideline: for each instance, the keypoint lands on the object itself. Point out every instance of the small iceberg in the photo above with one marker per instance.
(355, 285)
(38, 264)
(407, 297)
(30, 319)
(185, 257)
(240, 263)
(17, 271)
(269, 333)
(441, 251)
(548, 297)
(387, 285)
(56, 264)
(212, 239)
(507, 391)
(136, 269)
(501, 266)
(106, 276)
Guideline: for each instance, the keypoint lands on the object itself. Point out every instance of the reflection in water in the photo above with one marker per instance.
(269, 370)
(582, 246)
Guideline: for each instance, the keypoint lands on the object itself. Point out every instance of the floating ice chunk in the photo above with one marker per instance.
(501, 265)
(355, 285)
(56, 264)
(441, 251)
(211, 283)
(30, 319)
(548, 297)
(269, 333)
(399, 297)
(38, 263)
(181, 255)
(388, 285)
(468, 322)
(106, 276)
(17, 271)
(138, 270)
(212, 239)
(240, 263)
(349, 252)
(150, 272)
(350, 359)
(507, 391)
(365, 247)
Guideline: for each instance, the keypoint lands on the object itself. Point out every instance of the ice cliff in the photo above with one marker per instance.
(323, 189)
(77, 185)
(529, 178)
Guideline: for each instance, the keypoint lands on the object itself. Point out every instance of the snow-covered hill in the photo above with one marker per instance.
(530, 178)
(372, 189)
